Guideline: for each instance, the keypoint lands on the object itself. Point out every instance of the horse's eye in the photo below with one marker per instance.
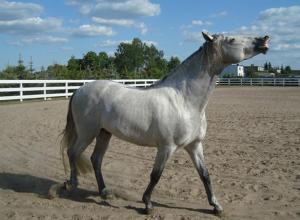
(231, 40)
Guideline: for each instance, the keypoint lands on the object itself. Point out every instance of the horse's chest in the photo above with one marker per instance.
(189, 130)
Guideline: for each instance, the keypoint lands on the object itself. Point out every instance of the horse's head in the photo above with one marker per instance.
(234, 49)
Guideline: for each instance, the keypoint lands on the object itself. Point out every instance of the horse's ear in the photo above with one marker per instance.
(208, 37)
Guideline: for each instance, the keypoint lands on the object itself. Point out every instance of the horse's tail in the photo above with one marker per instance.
(69, 137)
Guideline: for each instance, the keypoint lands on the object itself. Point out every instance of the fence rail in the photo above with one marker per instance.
(45, 89)
(259, 81)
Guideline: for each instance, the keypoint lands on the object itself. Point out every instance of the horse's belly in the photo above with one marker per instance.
(142, 141)
(132, 136)
(137, 132)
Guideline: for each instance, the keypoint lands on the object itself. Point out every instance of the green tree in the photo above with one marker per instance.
(90, 61)
(20, 70)
(129, 58)
(173, 63)
(9, 73)
(57, 71)
(288, 70)
(269, 66)
(74, 64)
(103, 61)
(266, 66)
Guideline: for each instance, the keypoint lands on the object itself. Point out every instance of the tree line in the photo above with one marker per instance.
(130, 61)
(279, 70)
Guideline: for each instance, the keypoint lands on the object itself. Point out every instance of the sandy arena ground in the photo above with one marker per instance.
(252, 151)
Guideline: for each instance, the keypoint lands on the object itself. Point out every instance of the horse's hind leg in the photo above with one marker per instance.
(195, 151)
(162, 156)
(102, 141)
(74, 151)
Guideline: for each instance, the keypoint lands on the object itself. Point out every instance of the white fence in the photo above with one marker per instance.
(259, 81)
(45, 89)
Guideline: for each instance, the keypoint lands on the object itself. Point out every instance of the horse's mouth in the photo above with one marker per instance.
(263, 48)
(262, 45)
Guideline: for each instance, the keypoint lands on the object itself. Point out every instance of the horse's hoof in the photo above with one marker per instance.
(54, 191)
(68, 186)
(106, 194)
(218, 211)
(149, 211)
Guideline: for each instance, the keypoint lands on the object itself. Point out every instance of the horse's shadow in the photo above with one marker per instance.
(25, 183)
(157, 204)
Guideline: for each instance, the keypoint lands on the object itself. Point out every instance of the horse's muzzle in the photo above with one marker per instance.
(261, 44)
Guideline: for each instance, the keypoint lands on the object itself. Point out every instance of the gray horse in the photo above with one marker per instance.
(168, 115)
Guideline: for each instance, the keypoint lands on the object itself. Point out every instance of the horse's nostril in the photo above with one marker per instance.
(266, 37)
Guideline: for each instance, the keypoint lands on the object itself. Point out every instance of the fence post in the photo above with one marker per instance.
(250, 81)
(299, 82)
(67, 91)
(45, 91)
(229, 83)
(21, 92)
(262, 82)
(283, 82)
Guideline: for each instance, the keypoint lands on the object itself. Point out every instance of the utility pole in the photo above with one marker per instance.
(20, 61)
(31, 66)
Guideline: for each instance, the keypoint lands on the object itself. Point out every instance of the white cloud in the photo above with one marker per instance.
(24, 21)
(142, 27)
(38, 40)
(122, 22)
(118, 22)
(201, 23)
(45, 39)
(88, 30)
(29, 26)
(150, 42)
(193, 36)
(191, 31)
(110, 43)
(118, 9)
(124, 13)
(66, 48)
(286, 47)
(17, 10)
(113, 43)
(219, 14)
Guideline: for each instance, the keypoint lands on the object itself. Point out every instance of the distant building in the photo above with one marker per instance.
(278, 71)
(254, 69)
(234, 70)
(264, 74)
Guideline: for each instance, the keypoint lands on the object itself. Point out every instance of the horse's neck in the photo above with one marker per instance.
(196, 78)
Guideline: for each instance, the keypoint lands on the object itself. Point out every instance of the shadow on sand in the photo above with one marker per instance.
(156, 204)
(25, 183)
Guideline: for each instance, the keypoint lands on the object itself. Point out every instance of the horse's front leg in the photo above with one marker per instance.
(163, 154)
(195, 151)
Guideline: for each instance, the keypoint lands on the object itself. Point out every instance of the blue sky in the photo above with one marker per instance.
(52, 31)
